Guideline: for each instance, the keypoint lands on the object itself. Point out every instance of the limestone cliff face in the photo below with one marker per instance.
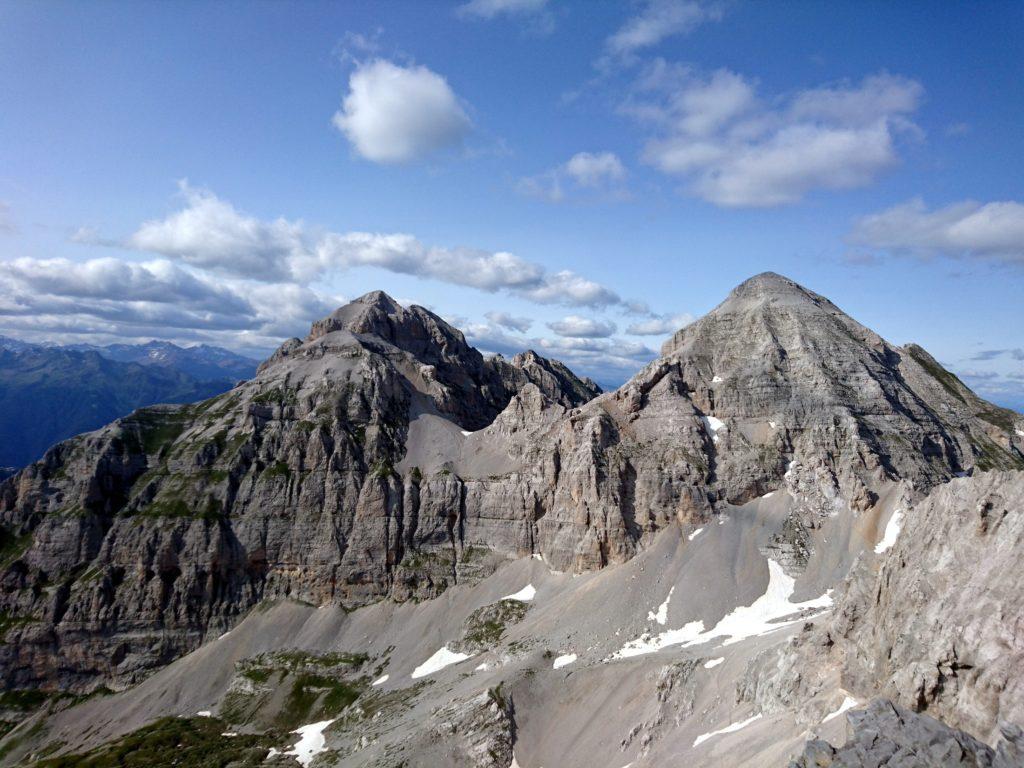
(936, 624)
(382, 456)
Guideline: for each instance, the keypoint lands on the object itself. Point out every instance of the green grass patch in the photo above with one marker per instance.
(277, 469)
(195, 742)
(486, 626)
(276, 396)
(13, 546)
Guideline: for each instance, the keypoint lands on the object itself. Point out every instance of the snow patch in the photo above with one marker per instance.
(204, 713)
(465, 433)
(311, 742)
(524, 595)
(695, 534)
(380, 680)
(773, 425)
(713, 426)
(716, 380)
(892, 532)
(848, 703)
(443, 658)
(1020, 432)
(538, 556)
(564, 661)
(224, 635)
(768, 495)
(728, 729)
(764, 615)
(661, 616)
(712, 663)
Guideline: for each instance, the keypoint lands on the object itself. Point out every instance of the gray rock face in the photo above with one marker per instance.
(888, 736)
(937, 627)
(382, 456)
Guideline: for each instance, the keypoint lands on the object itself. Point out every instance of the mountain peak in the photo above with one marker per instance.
(773, 287)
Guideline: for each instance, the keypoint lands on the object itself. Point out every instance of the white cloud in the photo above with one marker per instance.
(568, 288)
(596, 171)
(404, 254)
(658, 20)
(990, 230)
(659, 325)
(592, 169)
(112, 297)
(210, 233)
(582, 327)
(511, 322)
(396, 114)
(484, 270)
(225, 277)
(735, 150)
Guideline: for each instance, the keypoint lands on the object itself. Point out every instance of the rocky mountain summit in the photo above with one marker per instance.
(716, 543)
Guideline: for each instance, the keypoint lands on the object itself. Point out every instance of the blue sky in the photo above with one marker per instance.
(577, 177)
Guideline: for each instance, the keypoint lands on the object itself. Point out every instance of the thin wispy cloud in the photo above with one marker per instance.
(597, 172)
(993, 354)
(657, 21)
(535, 14)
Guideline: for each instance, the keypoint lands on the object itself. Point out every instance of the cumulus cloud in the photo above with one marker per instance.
(592, 169)
(212, 234)
(965, 229)
(225, 277)
(659, 325)
(735, 149)
(597, 171)
(659, 20)
(396, 114)
(511, 322)
(574, 326)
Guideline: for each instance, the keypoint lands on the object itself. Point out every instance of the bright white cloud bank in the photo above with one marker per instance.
(395, 114)
(735, 148)
(213, 273)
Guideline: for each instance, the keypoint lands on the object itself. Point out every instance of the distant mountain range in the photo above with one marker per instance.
(49, 393)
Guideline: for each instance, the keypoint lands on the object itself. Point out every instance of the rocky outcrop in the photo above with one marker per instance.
(383, 456)
(889, 736)
(931, 621)
(938, 627)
